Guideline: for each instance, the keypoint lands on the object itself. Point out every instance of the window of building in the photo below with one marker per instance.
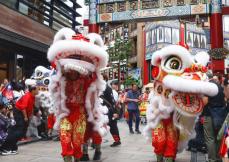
(133, 5)
(154, 36)
(148, 38)
(167, 3)
(175, 36)
(9, 3)
(193, 1)
(180, 2)
(189, 38)
(226, 43)
(102, 8)
(121, 6)
(168, 35)
(110, 8)
(196, 42)
(160, 34)
(147, 4)
(203, 41)
(19, 67)
(55, 14)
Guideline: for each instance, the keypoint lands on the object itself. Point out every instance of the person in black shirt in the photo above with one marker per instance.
(108, 100)
(214, 115)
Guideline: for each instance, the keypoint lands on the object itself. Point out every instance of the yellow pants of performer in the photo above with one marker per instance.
(72, 130)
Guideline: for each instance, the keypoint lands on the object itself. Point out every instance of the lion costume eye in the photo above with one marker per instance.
(173, 63)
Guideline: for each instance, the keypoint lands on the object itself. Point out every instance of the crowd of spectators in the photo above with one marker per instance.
(20, 120)
(212, 121)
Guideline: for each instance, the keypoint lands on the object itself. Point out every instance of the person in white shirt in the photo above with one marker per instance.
(114, 86)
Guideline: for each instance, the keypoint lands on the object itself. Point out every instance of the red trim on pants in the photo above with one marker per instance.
(164, 139)
(91, 134)
(116, 138)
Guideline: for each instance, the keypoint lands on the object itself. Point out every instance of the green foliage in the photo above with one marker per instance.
(218, 53)
(129, 81)
(120, 50)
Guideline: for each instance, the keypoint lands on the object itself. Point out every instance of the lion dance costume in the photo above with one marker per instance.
(180, 83)
(76, 88)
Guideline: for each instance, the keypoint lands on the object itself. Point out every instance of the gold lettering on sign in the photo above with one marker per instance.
(150, 13)
(198, 9)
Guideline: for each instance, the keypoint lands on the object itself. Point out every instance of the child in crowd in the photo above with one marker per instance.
(34, 123)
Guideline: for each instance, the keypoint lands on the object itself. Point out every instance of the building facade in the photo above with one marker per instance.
(205, 14)
(27, 28)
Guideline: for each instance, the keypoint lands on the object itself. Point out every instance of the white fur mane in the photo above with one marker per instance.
(63, 43)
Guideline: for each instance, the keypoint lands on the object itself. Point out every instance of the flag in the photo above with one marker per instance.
(223, 146)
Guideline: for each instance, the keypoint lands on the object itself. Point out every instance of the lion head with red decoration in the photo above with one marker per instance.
(86, 56)
(180, 84)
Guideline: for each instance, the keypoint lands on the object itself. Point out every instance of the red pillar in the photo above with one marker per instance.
(216, 29)
(145, 63)
(93, 28)
(216, 32)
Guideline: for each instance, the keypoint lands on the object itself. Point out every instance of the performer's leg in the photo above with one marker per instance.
(66, 139)
(159, 141)
(171, 141)
(87, 135)
(79, 127)
(114, 132)
(97, 140)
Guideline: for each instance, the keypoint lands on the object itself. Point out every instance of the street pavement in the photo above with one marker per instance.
(134, 148)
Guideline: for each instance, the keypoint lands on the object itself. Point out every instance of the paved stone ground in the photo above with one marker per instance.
(134, 148)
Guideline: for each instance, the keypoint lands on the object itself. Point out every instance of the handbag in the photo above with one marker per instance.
(218, 115)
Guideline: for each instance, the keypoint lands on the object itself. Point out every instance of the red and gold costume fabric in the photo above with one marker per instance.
(72, 127)
(91, 134)
(165, 139)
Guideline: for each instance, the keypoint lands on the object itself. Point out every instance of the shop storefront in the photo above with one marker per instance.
(18, 61)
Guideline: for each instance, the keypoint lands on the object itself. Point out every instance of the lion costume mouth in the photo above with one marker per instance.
(187, 93)
(74, 61)
(190, 104)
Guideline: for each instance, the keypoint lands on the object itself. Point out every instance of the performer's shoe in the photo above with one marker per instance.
(115, 144)
(97, 155)
(85, 157)
(159, 158)
(131, 131)
(67, 159)
(168, 159)
(138, 132)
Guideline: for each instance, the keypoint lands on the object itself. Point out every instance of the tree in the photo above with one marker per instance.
(119, 52)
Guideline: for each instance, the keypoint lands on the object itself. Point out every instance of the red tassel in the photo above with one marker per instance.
(223, 147)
